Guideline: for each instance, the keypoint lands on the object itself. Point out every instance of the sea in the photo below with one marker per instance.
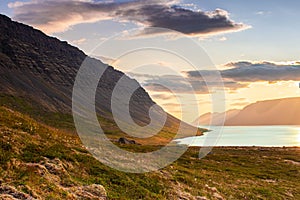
(262, 136)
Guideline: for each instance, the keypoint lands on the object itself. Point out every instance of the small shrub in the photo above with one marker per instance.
(31, 153)
(58, 151)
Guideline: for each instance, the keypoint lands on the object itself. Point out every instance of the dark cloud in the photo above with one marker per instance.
(58, 15)
(255, 72)
(266, 71)
(239, 75)
(186, 85)
(182, 20)
(170, 83)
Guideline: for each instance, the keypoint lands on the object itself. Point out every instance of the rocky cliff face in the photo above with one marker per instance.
(43, 69)
(37, 66)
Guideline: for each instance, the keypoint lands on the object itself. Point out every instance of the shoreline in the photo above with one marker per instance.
(276, 147)
(246, 147)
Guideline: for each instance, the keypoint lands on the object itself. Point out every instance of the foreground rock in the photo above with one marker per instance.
(53, 171)
(11, 193)
(92, 192)
(126, 141)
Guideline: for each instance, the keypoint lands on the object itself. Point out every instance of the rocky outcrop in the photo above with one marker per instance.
(53, 171)
(10, 193)
(126, 141)
(92, 192)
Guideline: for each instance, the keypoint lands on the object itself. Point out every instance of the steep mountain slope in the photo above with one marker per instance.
(41, 70)
(44, 68)
(270, 112)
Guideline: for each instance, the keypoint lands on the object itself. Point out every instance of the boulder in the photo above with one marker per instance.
(126, 141)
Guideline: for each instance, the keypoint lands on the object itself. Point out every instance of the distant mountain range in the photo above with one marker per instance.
(284, 111)
(41, 70)
(218, 118)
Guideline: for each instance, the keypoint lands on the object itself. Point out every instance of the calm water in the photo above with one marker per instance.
(276, 136)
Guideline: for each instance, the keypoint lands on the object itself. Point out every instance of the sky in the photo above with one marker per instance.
(254, 45)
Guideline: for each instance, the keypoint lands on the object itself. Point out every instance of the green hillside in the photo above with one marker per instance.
(44, 162)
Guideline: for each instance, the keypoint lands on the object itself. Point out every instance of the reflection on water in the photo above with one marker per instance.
(276, 136)
(298, 137)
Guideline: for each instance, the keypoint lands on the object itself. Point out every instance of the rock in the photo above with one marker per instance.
(7, 197)
(126, 141)
(289, 194)
(292, 162)
(90, 192)
(214, 191)
(54, 171)
(218, 196)
(201, 198)
(11, 193)
(180, 193)
(211, 189)
(55, 166)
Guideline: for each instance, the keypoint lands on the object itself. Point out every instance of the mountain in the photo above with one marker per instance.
(284, 111)
(270, 112)
(218, 118)
(40, 71)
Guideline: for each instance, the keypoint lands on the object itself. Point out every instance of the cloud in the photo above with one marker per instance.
(263, 13)
(260, 13)
(59, 15)
(237, 75)
(169, 83)
(163, 96)
(244, 73)
(262, 71)
(223, 38)
(80, 41)
(186, 85)
(104, 59)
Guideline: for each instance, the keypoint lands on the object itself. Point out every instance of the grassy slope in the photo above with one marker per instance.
(234, 173)
(65, 121)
